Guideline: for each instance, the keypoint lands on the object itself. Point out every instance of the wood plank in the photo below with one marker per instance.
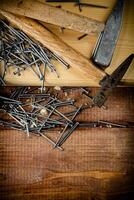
(92, 162)
(53, 15)
(125, 46)
(97, 163)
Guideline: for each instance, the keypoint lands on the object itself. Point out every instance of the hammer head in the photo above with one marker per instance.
(106, 43)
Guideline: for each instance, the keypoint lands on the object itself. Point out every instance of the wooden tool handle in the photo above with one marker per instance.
(50, 14)
(52, 42)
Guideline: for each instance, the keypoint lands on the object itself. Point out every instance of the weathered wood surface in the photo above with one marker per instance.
(96, 164)
(125, 46)
(53, 15)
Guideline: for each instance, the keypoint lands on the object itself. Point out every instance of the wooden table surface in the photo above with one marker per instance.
(125, 46)
(97, 163)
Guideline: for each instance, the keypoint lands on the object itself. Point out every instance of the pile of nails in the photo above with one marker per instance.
(38, 112)
(33, 112)
(19, 51)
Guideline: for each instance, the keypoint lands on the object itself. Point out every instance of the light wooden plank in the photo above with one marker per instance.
(53, 15)
(125, 46)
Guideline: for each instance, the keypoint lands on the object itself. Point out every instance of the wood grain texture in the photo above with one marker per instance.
(97, 163)
(125, 46)
(56, 45)
(50, 14)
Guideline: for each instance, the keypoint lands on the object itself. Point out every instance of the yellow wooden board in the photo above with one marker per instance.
(125, 46)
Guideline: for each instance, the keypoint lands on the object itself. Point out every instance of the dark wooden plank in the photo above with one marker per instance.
(97, 163)
(94, 163)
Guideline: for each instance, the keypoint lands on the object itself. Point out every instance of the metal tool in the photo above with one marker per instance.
(78, 3)
(111, 81)
(106, 43)
(90, 5)
(61, 1)
(2, 82)
(104, 124)
(82, 36)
